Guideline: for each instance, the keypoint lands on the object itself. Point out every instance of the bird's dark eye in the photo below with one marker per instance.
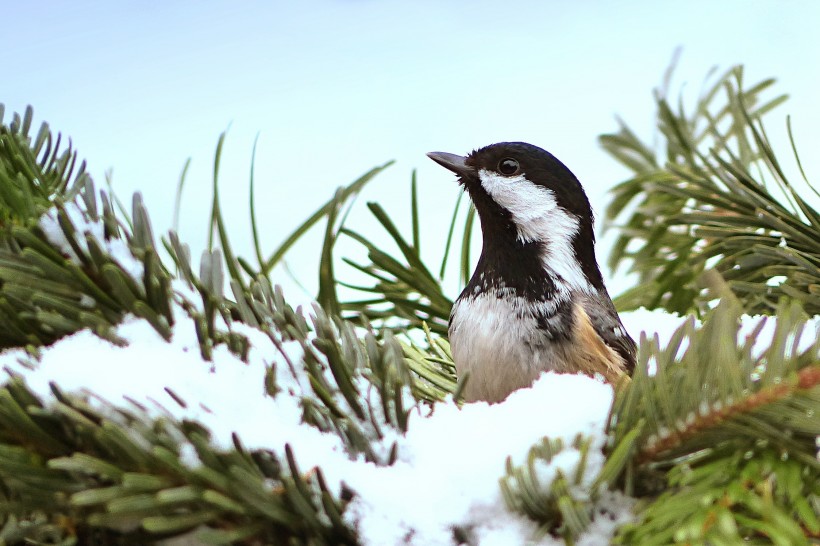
(508, 166)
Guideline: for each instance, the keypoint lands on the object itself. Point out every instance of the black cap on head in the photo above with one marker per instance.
(539, 167)
(536, 165)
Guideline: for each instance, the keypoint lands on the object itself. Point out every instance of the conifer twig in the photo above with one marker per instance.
(717, 414)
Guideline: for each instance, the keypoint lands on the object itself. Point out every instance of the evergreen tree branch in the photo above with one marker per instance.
(72, 471)
(715, 435)
(804, 380)
(717, 198)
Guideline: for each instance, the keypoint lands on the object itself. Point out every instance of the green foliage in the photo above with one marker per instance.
(727, 434)
(73, 472)
(718, 443)
(562, 504)
(769, 388)
(33, 172)
(405, 293)
(46, 293)
(714, 437)
(759, 496)
(715, 197)
(76, 469)
(127, 472)
(715, 408)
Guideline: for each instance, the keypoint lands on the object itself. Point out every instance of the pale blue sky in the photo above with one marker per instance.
(335, 87)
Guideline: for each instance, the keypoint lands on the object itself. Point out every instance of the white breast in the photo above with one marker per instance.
(497, 341)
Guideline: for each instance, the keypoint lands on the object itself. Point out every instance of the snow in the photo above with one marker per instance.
(449, 462)
(115, 248)
(226, 395)
(651, 323)
(663, 324)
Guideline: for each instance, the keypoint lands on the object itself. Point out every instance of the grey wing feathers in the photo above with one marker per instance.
(607, 324)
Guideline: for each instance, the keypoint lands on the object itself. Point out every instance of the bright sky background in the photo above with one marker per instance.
(335, 87)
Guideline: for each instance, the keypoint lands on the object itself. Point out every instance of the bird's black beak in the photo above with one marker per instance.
(453, 162)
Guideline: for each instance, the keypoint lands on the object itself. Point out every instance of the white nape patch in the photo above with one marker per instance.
(538, 217)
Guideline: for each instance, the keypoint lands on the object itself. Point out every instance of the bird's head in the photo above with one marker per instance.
(526, 197)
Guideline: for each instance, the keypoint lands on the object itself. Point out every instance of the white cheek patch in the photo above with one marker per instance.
(538, 217)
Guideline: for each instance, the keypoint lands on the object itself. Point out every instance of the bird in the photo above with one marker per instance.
(536, 301)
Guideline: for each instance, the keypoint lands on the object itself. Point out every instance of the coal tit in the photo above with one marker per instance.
(536, 301)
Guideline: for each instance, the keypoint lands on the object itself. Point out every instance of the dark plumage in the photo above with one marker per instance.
(537, 299)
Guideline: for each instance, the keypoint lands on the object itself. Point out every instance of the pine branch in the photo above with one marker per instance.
(405, 291)
(563, 505)
(715, 435)
(73, 470)
(805, 380)
(732, 497)
(700, 416)
(718, 198)
(58, 242)
(103, 477)
(702, 388)
(108, 477)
